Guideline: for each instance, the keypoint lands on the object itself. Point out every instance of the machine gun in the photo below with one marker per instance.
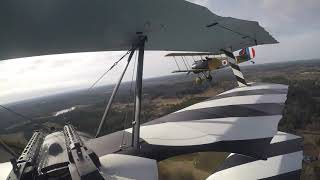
(83, 162)
(25, 166)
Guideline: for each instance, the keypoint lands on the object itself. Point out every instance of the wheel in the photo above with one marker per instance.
(198, 80)
(209, 78)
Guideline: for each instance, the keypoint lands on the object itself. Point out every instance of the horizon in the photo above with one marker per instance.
(293, 27)
(13, 101)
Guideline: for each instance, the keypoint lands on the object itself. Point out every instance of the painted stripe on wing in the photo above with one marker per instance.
(220, 129)
(256, 87)
(282, 143)
(252, 92)
(262, 169)
(293, 175)
(249, 110)
(252, 147)
(238, 100)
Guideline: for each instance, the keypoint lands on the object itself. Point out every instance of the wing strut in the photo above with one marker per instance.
(235, 68)
(140, 44)
(115, 90)
(138, 92)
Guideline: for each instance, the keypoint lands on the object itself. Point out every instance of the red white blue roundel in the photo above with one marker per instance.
(249, 52)
(224, 62)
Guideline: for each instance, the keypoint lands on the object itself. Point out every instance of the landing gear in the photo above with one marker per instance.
(203, 77)
(198, 80)
(209, 78)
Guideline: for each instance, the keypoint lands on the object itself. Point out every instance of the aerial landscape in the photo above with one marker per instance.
(159, 89)
(167, 94)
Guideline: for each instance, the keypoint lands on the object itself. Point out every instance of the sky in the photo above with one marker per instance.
(294, 23)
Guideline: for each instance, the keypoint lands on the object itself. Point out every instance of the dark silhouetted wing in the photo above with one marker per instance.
(42, 27)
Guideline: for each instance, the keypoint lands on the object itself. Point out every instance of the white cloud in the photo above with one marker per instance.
(26, 77)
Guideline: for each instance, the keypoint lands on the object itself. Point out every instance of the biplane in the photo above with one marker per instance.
(208, 62)
(242, 121)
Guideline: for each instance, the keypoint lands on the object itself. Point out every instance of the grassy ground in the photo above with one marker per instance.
(190, 167)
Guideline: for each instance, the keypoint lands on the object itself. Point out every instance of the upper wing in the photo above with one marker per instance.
(41, 27)
(191, 54)
(242, 120)
(191, 70)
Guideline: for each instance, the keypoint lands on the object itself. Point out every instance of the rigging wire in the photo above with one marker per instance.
(8, 149)
(4, 145)
(16, 113)
(184, 57)
(129, 102)
(193, 59)
(184, 62)
(176, 63)
(105, 73)
(22, 116)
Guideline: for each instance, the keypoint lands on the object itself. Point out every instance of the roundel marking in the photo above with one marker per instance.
(224, 62)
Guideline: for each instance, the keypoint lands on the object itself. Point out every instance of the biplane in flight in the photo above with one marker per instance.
(207, 62)
(242, 121)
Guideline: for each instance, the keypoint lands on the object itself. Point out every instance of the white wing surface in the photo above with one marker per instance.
(284, 162)
(119, 166)
(242, 121)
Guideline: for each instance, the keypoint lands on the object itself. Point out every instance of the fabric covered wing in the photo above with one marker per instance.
(190, 54)
(242, 120)
(119, 166)
(284, 162)
(191, 70)
(5, 170)
(41, 27)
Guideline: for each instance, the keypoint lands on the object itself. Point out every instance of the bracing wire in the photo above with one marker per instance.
(184, 62)
(8, 149)
(20, 115)
(176, 62)
(193, 59)
(5, 146)
(16, 113)
(130, 100)
(187, 62)
(105, 73)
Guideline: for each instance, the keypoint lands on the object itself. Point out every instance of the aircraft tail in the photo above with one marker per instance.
(246, 54)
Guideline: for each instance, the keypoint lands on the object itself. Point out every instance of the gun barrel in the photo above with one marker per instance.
(24, 167)
(29, 154)
(83, 162)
